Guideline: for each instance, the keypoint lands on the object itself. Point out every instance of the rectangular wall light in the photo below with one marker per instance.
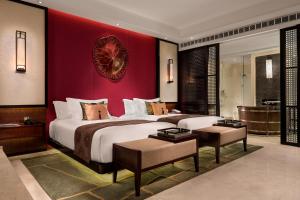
(170, 71)
(269, 68)
(20, 51)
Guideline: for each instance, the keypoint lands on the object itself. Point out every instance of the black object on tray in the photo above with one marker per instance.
(229, 123)
(173, 132)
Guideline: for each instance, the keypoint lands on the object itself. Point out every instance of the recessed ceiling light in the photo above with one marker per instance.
(118, 24)
(40, 2)
(191, 38)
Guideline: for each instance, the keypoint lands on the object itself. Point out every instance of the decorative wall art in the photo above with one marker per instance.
(110, 57)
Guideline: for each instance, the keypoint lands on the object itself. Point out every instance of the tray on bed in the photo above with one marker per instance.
(229, 123)
(173, 132)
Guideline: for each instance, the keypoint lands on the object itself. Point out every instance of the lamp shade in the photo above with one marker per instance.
(20, 51)
(269, 68)
(170, 71)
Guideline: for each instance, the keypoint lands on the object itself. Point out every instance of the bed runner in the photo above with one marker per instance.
(84, 136)
(177, 118)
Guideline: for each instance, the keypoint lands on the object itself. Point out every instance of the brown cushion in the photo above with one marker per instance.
(227, 134)
(149, 108)
(215, 129)
(155, 151)
(94, 111)
(231, 136)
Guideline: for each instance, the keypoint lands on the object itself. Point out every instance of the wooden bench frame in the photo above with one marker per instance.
(125, 158)
(213, 140)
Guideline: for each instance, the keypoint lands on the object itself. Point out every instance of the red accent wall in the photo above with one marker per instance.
(71, 72)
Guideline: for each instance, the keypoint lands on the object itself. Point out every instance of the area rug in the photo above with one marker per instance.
(63, 178)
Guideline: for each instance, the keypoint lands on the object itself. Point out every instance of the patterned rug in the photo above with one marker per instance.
(63, 178)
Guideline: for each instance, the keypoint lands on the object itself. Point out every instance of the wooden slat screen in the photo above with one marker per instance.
(198, 80)
(290, 47)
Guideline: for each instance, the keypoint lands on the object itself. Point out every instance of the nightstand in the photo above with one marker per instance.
(23, 138)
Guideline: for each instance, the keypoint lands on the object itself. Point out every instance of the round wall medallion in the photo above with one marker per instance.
(110, 58)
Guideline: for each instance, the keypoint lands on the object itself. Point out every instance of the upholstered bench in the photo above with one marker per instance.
(142, 155)
(218, 136)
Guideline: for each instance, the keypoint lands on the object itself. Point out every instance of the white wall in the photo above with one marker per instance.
(168, 91)
(250, 44)
(22, 88)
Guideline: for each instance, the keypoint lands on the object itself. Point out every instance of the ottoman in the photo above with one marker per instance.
(142, 155)
(218, 136)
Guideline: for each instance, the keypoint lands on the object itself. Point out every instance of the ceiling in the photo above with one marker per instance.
(177, 20)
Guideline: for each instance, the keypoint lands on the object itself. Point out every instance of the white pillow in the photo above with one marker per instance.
(75, 107)
(130, 107)
(61, 110)
(140, 105)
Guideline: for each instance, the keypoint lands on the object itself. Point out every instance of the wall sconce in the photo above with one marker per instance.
(170, 71)
(269, 68)
(20, 51)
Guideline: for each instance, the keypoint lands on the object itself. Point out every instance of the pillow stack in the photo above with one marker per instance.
(81, 109)
(76, 109)
(141, 107)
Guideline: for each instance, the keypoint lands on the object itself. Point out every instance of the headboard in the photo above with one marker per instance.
(71, 72)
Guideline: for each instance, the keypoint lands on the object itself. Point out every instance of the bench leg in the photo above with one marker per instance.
(217, 150)
(196, 162)
(115, 173)
(137, 176)
(245, 144)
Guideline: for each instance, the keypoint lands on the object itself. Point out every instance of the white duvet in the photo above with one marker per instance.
(190, 123)
(63, 132)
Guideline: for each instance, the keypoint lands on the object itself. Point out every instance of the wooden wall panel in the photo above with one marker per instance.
(10, 115)
(171, 106)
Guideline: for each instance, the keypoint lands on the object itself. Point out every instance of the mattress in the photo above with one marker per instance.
(63, 131)
(190, 123)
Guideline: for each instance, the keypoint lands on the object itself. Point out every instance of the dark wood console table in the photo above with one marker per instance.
(23, 138)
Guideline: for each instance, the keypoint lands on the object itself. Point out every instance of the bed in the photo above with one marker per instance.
(137, 108)
(65, 129)
(189, 123)
(63, 132)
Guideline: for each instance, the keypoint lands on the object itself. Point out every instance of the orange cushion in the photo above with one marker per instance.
(159, 108)
(94, 111)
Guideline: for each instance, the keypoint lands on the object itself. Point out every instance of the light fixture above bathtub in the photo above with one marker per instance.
(269, 68)
(170, 71)
(20, 51)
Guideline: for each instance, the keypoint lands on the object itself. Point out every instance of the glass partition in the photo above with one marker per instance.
(235, 85)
